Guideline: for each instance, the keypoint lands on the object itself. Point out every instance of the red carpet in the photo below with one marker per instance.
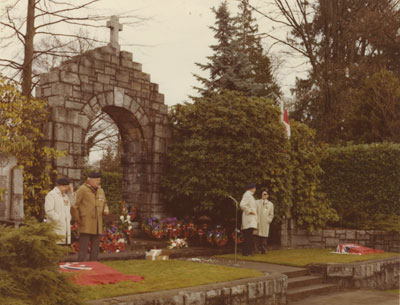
(95, 273)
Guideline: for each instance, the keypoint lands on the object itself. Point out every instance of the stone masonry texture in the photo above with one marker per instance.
(106, 79)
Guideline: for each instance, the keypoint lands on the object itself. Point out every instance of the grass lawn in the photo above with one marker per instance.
(394, 291)
(304, 257)
(164, 275)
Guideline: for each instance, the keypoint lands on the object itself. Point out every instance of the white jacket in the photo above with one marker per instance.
(58, 212)
(248, 205)
(265, 214)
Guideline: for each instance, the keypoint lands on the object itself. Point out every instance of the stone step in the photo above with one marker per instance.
(303, 292)
(296, 273)
(302, 281)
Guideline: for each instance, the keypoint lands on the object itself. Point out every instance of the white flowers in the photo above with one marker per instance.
(177, 243)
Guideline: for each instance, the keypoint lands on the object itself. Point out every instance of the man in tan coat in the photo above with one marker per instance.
(88, 212)
(249, 219)
(265, 214)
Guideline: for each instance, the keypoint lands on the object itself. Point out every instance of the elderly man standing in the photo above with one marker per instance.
(265, 214)
(57, 206)
(88, 212)
(249, 219)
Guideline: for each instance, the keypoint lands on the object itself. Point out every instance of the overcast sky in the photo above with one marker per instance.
(172, 40)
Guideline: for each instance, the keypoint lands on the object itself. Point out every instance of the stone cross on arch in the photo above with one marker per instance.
(114, 26)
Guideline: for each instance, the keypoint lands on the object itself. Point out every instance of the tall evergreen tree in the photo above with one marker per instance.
(239, 62)
(220, 65)
(256, 71)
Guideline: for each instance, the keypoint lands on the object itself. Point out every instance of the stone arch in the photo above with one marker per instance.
(106, 79)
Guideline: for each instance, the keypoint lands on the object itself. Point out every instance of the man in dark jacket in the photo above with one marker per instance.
(88, 211)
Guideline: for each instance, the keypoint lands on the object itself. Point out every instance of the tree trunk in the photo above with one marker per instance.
(28, 56)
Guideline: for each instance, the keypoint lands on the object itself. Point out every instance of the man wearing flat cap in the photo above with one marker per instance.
(88, 213)
(57, 206)
(249, 219)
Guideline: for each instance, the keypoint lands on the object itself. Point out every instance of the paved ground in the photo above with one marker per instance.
(352, 297)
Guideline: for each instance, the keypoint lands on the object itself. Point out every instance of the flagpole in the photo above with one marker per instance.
(236, 238)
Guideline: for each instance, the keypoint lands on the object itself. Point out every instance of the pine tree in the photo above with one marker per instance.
(256, 70)
(220, 64)
(239, 62)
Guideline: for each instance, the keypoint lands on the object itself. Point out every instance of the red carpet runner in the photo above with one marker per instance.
(95, 273)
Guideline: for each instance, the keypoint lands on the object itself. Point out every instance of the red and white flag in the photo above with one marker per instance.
(285, 119)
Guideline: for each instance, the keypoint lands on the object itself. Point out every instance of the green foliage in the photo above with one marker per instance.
(219, 145)
(29, 272)
(375, 112)
(362, 182)
(111, 160)
(21, 123)
(111, 182)
(311, 209)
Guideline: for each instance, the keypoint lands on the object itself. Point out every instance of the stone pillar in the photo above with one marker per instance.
(11, 184)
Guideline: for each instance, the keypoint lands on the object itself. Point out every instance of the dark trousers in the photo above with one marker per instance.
(83, 246)
(248, 243)
(260, 244)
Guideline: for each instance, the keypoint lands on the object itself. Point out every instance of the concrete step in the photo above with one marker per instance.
(303, 292)
(296, 273)
(301, 281)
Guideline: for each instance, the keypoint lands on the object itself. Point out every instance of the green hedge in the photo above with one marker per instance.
(363, 183)
(112, 185)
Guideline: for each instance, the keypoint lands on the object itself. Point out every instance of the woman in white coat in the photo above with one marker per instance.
(57, 207)
(265, 214)
(249, 219)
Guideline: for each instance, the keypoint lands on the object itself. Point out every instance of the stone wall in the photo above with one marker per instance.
(292, 237)
(377, 274)
(265, 290)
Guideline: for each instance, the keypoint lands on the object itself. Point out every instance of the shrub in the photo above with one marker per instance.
(219, 145)
(310, 209)
(363, 182)
(111, 182)
(29, 271)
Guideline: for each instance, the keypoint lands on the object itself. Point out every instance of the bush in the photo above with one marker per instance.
(219, 145)
(310, 209)
(111, 183)
(29, 271)
(363, 182)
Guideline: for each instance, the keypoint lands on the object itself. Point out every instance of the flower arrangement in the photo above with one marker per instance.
(239, 236)
(153, 228)
(110, 241)
(128, 213)
(177, 243)
(217, 237)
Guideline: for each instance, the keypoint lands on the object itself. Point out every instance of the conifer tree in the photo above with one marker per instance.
(239, 62)
(256, 70)
(220, 65)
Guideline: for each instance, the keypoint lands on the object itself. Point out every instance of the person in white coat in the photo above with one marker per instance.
(249, 219)
(57, 207)
(265, 215)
